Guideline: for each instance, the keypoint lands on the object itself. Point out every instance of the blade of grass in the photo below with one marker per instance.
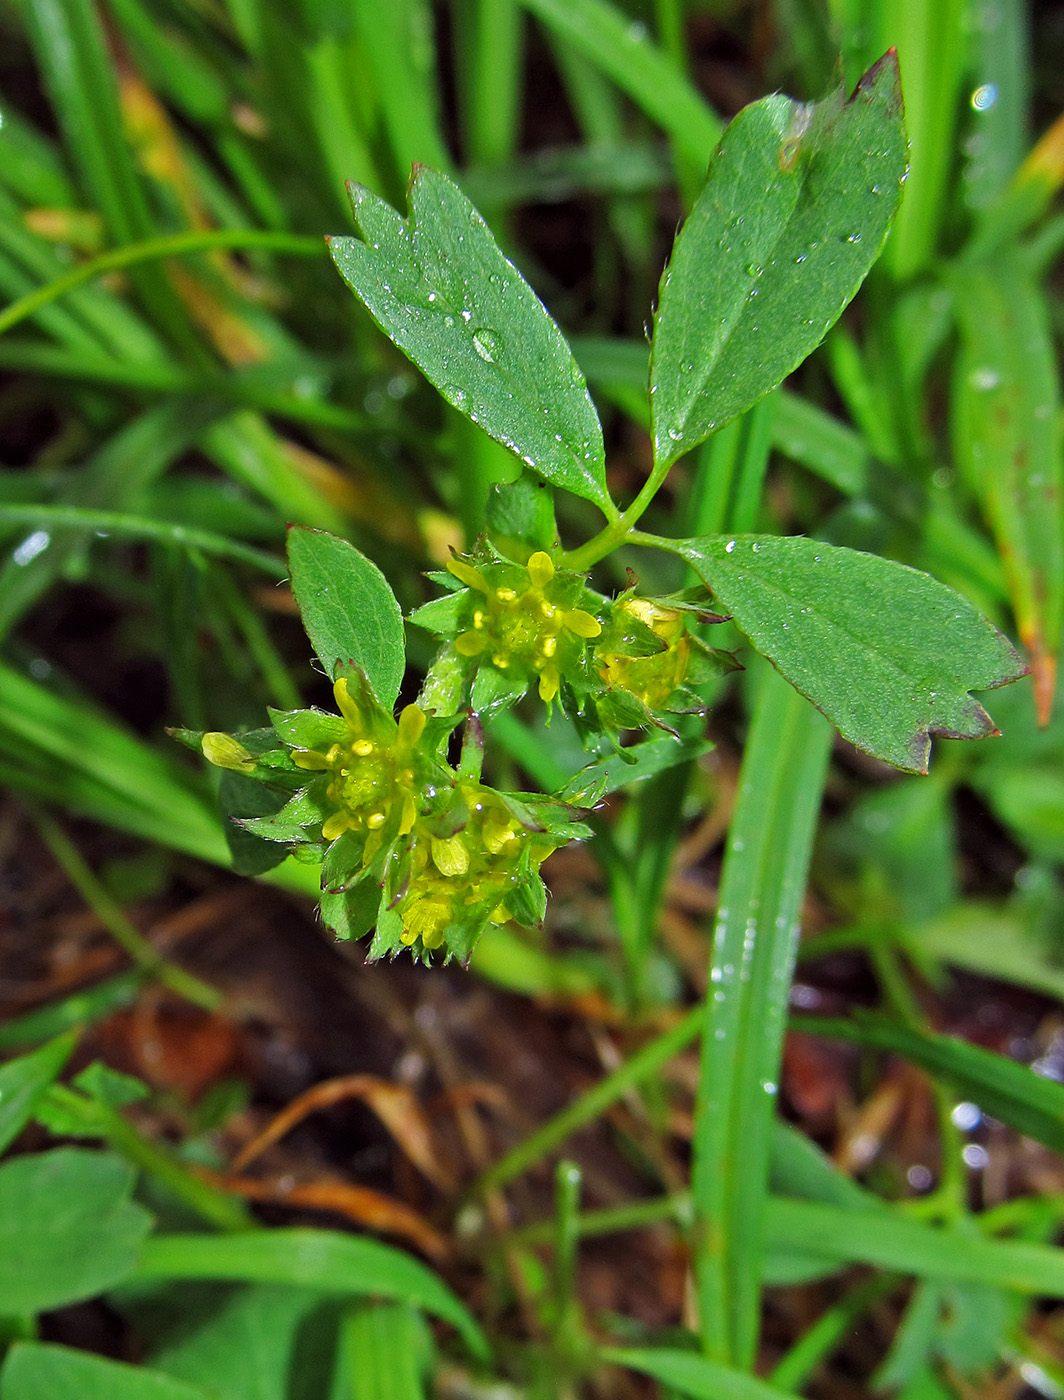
(690, 1374)
(492, 52)
(334, 1263)
(622, 50)
(112, 916)
(82, 1008)
(383, 1351)
(762, 886)
(400, 51)
(111, 522)
(152, 250)
(135, 777)
(138, 453)
(643, 1065)
(23, 1082)
(94, 1118)
(886, 1240)
(830, 1329)
(70, 47)
(1012, 1092)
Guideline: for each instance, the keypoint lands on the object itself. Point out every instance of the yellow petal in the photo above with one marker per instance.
(345, 703)
(540, 569)
(334, 826)
(310, 759)
(582, 623)
(467, 574)
(411, 725)
(409, 815)
(497, 835)
(226, 752)
(470, 643)
(548, 684)
(450, 856)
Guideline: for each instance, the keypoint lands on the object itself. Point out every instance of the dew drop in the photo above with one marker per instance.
(486, 344)
(729, 548)
(984, 379)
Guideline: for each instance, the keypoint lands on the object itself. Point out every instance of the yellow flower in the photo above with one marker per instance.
(651, 679)
(373, 773)
(527, 628)
(469, 875)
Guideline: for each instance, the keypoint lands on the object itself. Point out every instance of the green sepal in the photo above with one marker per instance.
(191, 738)
(445, 579)
(520, 516)
(387, 937)
(308, 729)
(626, 635)
(308, 807)
(446, 687)
(614, 771)
(441, 616)
(494, 691)
(341, 866)
(555, 818)
(241, 797)
(352, 913)
(707, 663)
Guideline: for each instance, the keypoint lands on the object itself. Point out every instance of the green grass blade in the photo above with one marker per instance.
(492, 49)
(644, 1064)
(152, 250)
(335, 1263)
(753, 951)
(73, 55)
(886, 1240)
(931, 40)
(687, 1373)
(397, 40)
(384, 1349)
(74, 1011)
(622, 50)
(111, 522)
(1006, 400)
(1009, 1091)
(137, 454)
(130, 775)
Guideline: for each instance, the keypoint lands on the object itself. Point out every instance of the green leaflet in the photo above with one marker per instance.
(35, 1371)
(886, 652)
(439, 286)
(348, 609)
(24, 1081)
(795, 210)
(341, 1264)
(68, 1228)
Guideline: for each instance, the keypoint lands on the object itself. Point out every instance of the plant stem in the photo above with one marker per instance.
(109, 912)
(100, 1120)
(151, 249)
(587, 1108)
(620, 531)
(827, 1332)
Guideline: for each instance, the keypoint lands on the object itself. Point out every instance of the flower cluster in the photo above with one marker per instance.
(424, 852)
(612, 664)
